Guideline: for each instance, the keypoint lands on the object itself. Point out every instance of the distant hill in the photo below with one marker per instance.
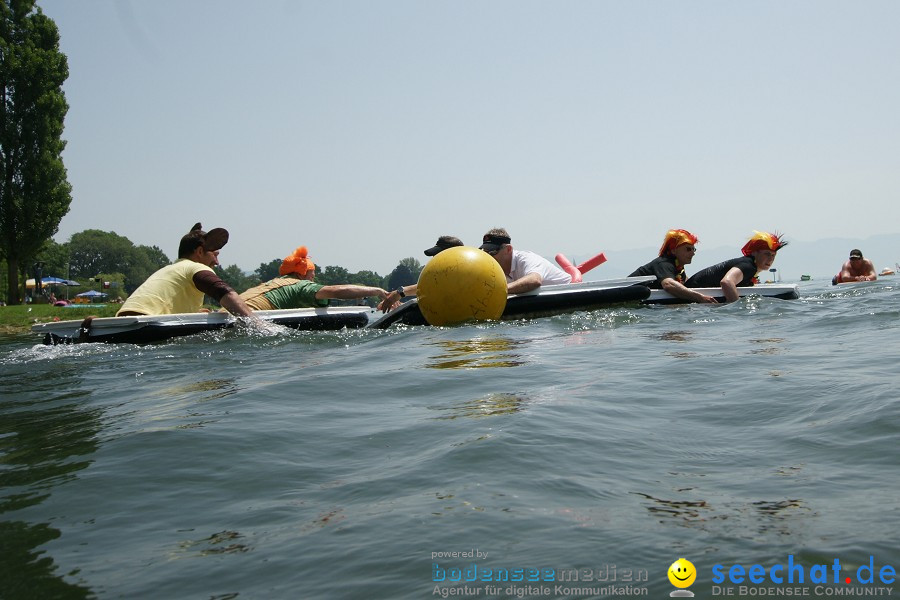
(821, 259)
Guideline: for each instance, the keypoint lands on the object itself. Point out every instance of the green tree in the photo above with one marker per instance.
(136, 267)
(400, 276)
(267, 271)
(34, 191)
(367, 278)
(236, 278)
(332, 275)
(94, 251)
(155, 255)
(405, 273)
(414, 266)
(55, 258)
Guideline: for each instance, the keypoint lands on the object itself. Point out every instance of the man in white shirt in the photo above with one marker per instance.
(525, 271)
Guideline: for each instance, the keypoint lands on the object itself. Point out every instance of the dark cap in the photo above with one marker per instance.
(444, 242)
(855, 253)
(211, 241)
(492, 243)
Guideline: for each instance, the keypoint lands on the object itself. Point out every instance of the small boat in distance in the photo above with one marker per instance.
(886, 271)
(805, 277)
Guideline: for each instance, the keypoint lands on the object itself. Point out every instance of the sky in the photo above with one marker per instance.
(365, 129)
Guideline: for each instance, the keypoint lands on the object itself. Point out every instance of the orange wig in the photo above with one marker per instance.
(675, 238)
(762, 240)
(297, 262)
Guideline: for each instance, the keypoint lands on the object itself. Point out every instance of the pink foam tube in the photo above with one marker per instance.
(569, 268)
(590, 263)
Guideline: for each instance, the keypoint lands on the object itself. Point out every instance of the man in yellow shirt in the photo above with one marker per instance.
(179, 287)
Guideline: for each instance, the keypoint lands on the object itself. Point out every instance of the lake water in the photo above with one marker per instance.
(339, 464)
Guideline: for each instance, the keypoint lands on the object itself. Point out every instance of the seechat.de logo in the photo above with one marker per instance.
(794, 572)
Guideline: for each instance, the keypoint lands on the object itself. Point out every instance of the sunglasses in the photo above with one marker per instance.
(856, 258)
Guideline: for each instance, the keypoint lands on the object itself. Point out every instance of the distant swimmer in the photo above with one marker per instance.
(855, 269)
(393, 298)
(758, 255)
(677, 250)
(296, 287)
(524, 270)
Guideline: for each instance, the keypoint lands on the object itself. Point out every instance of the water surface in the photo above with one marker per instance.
(335, 465)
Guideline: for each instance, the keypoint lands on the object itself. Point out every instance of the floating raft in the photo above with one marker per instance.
(545, 301)
(784, 292)
(139, 330)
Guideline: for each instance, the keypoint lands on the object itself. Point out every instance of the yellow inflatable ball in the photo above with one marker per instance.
(461, 284)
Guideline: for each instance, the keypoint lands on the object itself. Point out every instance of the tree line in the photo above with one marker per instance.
(93, 254)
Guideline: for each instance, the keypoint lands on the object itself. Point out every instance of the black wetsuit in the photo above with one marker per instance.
(663, 267)
(712, 276)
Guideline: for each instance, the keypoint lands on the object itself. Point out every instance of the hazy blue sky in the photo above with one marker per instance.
(365, 129)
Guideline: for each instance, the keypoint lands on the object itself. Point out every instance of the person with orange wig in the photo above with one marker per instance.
(678, 249)
(758, 254)
(296, 287)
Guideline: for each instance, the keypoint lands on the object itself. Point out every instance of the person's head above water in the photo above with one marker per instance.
(444, 242)
(196, 237)
(675, 238)
(762, 240)
(298, 262)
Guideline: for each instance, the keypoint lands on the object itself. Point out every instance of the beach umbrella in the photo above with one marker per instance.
(45, 281)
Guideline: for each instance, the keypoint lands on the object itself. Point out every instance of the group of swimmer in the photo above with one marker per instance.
(678, 249)
(526, 270)
(181, 286)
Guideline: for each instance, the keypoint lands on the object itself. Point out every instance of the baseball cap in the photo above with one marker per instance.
(444, 242)
(214, 240)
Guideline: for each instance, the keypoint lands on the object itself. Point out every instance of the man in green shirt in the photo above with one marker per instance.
(296, 288)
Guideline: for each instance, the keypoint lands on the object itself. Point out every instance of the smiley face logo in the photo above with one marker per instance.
(682, 573)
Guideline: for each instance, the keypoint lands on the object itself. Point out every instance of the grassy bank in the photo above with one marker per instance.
(21, 318)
